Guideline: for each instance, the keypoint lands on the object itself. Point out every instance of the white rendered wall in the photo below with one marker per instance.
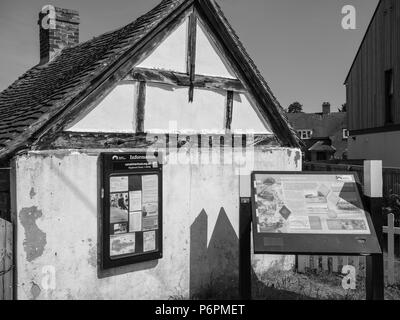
(167, 105)
(167, 110)
(115, 113)
(171, 53)
(57, 212)
(245, 118)
(208, 61)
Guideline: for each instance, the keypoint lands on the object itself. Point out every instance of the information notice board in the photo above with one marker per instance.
(310, 213)
(132, 208)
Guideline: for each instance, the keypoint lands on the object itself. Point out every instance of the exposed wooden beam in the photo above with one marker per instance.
(140, 106)
(229, 111)
(191, 53)
(92, 140)
(183, 80)
(226, 43)
(99, 86)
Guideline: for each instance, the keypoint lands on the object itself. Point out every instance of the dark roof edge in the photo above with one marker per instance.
(275, 114)
(363, 40)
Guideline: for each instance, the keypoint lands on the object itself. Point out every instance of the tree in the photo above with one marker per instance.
(295, 107)
(344, 108)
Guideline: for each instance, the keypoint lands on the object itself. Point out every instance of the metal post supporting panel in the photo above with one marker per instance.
(373, 198)
(245, 249)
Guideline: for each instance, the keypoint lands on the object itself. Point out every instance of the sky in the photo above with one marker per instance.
(299, 46)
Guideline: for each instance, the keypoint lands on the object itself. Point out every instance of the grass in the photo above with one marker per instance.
(277, 284)
(290, 285)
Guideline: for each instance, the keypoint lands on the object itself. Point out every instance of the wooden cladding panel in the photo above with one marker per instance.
(380, 51)
(6, 260)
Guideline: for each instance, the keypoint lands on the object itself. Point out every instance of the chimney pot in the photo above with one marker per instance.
(59, 29)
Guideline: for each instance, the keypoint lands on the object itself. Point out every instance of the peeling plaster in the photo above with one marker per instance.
(92, 260)
(35, 291)
(297, 158)
(32, 193)
(35, 239)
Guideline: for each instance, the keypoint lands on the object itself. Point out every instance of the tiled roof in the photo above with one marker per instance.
(44, 90)
(36, 93)
(322, 146)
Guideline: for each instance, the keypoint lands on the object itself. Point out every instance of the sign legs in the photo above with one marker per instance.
(245, 249)
(374, 269)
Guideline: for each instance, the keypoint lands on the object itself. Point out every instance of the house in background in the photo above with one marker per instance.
(372, 89)
(324, 134)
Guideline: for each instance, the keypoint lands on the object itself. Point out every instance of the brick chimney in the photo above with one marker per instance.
(59, 28)
(326, 108)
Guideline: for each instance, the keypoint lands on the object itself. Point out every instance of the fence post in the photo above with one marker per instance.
(390, 239)
(373, 195)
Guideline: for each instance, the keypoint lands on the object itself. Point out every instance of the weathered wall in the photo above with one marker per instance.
(105, 117)
(376, 146)
(5, 194)
(57, 214)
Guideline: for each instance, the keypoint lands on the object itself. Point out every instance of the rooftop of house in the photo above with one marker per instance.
(48, 89)
(324, 124)
(322, 146)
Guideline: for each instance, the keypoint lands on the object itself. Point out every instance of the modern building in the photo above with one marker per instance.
(324, 135)
(176, 82)
(372, 89)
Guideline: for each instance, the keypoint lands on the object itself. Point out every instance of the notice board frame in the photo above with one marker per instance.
(110, 160)
(314, 244)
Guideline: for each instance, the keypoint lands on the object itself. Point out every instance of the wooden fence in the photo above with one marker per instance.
(6, 260)
(334, 264)
(391, 231)
(391, 185)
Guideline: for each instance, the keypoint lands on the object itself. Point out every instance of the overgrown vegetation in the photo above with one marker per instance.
(290, 285)
(391, 204)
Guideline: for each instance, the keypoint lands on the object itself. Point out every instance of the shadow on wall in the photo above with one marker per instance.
(214, 269)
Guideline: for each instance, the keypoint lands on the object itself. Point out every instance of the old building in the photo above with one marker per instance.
(324, 135)
(373, 98)
(176, 81)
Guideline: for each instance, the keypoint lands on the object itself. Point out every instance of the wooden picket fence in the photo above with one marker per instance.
(6, 260)
(328, 263)
(335, 263)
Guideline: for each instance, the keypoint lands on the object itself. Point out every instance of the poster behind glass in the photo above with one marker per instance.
(134, 214)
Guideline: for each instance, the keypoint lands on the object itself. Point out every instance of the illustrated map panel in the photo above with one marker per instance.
(308, 204)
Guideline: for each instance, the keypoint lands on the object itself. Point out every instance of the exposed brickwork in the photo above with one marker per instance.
(5, 194)
(66, 33)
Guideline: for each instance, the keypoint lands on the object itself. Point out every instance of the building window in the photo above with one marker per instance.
(305, 134)
(389, 96)
(345, 134)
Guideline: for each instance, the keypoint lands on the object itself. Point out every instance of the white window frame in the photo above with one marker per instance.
(345, 134)
(305, 134)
